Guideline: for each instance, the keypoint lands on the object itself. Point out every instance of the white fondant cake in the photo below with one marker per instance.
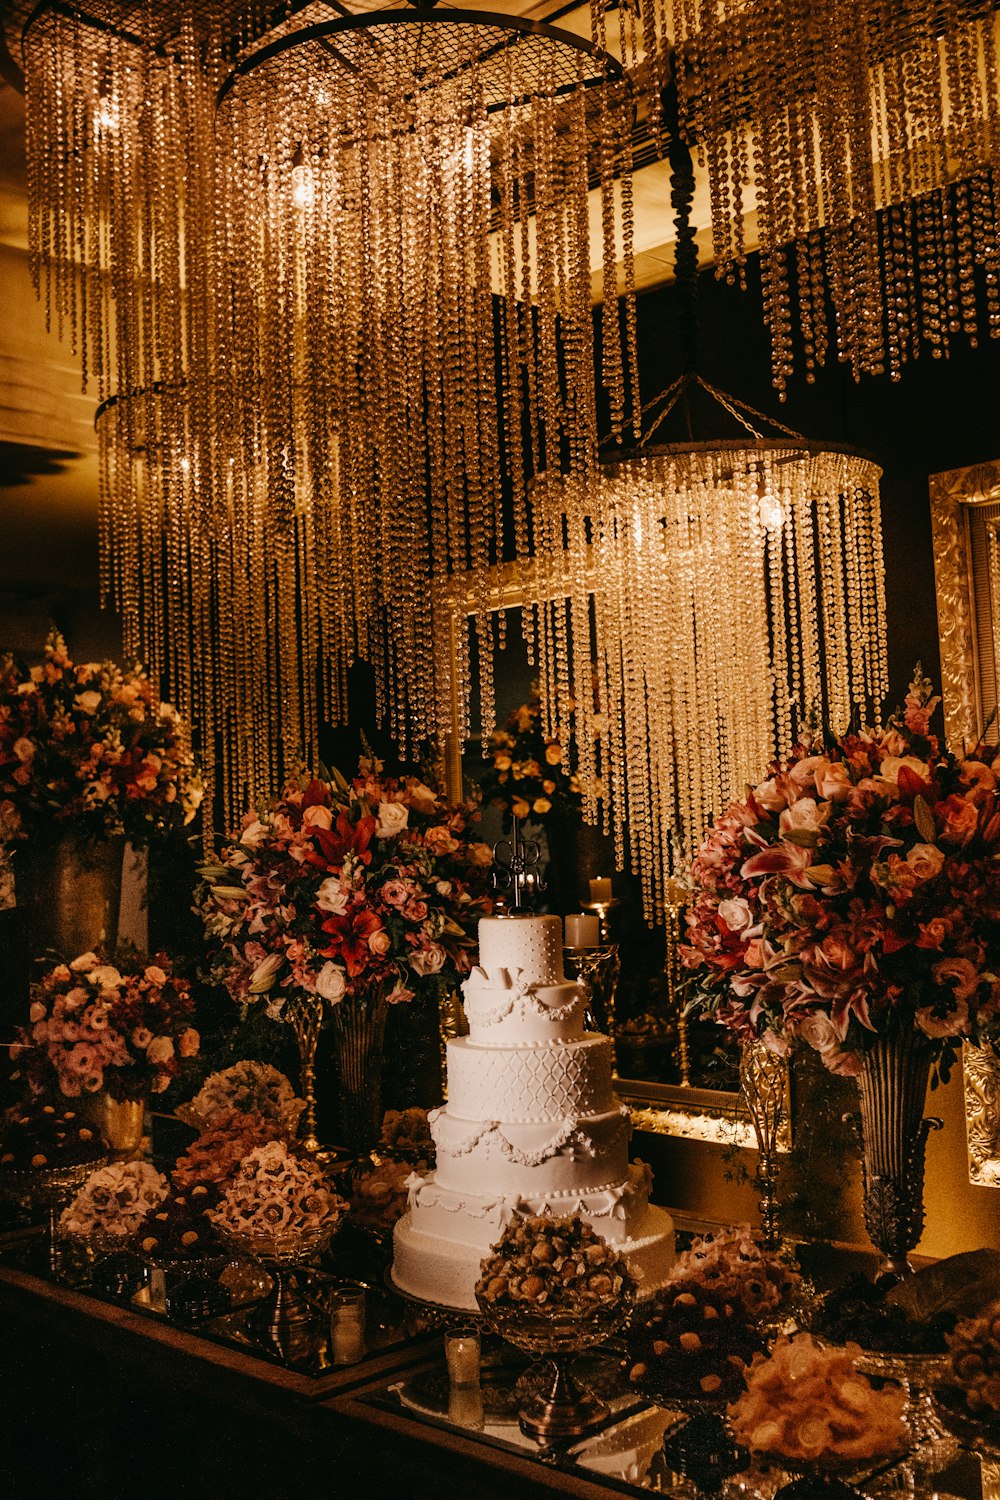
(531, 1126)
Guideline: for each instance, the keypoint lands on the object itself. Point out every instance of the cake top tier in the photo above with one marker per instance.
(518, 994)
(532, 945)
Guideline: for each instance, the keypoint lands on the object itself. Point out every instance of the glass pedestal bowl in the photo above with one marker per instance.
(918, 1374)
(561, 1410)
(285, 1322)
(700, 1445)
(48, 1188)
(973, 1430)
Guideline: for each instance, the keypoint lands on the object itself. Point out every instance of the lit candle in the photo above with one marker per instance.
(600, 892)
(582, 932)
(461, 1352)
(347, 1326)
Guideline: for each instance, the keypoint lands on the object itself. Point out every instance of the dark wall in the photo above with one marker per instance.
(942, 414)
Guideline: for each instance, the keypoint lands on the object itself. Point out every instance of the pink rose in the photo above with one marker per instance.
(188, 1042)
(440, 841)
(399, 994)
(953, 1023)
(141, 1037)
(24, 749)
(395, 893)
(802, 774)
(60, 974)
(960, 819)
(416, 910)
(925, 860)
(960, 973)
(155, 975)
(160, 1050)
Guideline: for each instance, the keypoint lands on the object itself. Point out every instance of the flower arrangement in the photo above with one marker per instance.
(115, 1200)
(855, 892)
(247, 1088)
(530, 776)
(90, 744)
(275, 1193)
(343, 890)
(125, 1027)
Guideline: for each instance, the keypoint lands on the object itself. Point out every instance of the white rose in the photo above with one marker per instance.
(331, 982)
(736, 914)
(332, 896)
(429, 960)
(88, 702)
(252, 834)
(105, 977)
(24, 749)
(393, 817)
(84, 963)
(160, 1049)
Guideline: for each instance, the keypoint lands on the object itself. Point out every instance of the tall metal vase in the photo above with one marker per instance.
(893, 1087)
(69, 891)
(358, 1027)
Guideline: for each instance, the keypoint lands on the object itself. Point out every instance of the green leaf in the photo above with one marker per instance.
(229, 892)
(924, 819)
(805, 838)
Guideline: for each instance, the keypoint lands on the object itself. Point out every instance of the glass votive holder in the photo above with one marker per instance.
(347, 1325)
(461, 1355)
(465, 1407)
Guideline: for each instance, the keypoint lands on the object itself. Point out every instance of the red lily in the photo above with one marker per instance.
(349, 936)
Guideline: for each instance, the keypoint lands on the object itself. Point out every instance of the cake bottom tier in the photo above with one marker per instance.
(438, 1250)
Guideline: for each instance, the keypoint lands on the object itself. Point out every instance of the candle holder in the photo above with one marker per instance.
(599, 968)
(517, 871)
(462, 1356)
(347, 1325)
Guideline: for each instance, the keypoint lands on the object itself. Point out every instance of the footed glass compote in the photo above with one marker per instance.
(48, 1188)
(700, 1445)
(824, 1478)
(976, 1430)
(917, 1374)
(286, 1322)
(562, 1410)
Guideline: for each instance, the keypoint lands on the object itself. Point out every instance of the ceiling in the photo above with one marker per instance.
(48, 465)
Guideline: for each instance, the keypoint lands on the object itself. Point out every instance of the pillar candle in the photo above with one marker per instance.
(582, 932)
(600, 891)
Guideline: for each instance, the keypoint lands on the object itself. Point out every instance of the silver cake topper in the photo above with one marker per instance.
(517, 869)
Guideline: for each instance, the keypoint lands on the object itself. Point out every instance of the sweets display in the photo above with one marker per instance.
(215, 1156)
(975, 1361)
(858, 1312)
(808, 1402)
(407, 1133)
(531, 1126)
(559, 1265)
(734, 1268)
(247, 1088)
(115, 1200)
(275, 1192)
(689, 1341)
(44, 1135)
(179, 1227)
(379, 1197)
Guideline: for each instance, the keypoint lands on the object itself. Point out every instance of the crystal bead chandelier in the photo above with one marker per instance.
(700, 602)
(864, 138)
(408, 248)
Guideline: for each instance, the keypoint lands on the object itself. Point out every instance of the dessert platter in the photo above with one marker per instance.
(531, 1126)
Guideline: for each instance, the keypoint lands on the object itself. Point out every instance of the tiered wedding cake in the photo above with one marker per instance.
(531, 1126)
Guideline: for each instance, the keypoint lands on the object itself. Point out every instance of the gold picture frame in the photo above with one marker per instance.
(953, 494)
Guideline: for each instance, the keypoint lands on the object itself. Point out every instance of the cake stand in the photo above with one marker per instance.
(980, 1433)
(700, 1446)
(438, 1317)
(49, 1188)
(561, 1411)
(284, 1322)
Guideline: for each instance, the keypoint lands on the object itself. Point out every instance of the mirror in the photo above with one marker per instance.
(965, 519)
(680, 1080)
